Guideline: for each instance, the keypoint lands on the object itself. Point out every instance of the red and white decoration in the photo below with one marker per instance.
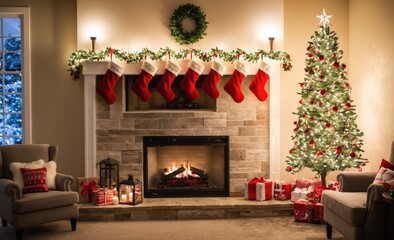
(103, 197)
(188, 83)
(34, 179)
(140, 86)
(164, 85)
(305, 211)
(211, 81)
(264, 190)
(233, 86)
(257, 86)
(106, 86)
(282, 191)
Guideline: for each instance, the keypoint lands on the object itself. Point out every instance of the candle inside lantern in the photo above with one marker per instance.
(123, 198)
(115, 200)
(131, 197)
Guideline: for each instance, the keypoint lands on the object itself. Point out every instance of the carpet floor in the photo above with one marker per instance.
(218, 229)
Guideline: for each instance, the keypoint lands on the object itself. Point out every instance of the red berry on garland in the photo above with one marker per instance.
(336, 65)
(335, 109)
(312, 142)
(352, 154)
(348, 105)
(323, 92)
(289, 168)
(339, 149)
(328, 125)
(319, 154)
(321, 58)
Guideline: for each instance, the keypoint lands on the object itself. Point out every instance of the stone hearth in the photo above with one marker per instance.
(186, 208)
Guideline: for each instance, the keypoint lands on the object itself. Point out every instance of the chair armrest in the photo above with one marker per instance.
(63, 182)
(355, 181)
(10, 188)
(375, 193)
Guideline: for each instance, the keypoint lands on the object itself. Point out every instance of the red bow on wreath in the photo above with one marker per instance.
(88, 188)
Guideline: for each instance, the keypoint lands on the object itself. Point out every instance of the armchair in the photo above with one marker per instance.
(357, 210)
(27, 210)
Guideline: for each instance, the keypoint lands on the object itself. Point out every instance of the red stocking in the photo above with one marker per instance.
(140, 86)
(233, 86)
(257, 86)
(164, 85)
(211, 81)
(188, 83)
(106, 87)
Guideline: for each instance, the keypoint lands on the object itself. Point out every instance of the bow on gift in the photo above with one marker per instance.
(88, 188)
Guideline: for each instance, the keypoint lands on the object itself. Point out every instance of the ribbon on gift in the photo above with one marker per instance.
(88, 188)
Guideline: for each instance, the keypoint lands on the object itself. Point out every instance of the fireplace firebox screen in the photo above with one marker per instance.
(186, 166)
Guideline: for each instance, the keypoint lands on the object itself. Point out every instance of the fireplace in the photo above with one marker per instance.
(186, 166)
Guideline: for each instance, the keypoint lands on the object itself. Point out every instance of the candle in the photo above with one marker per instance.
(131, 197)
(123, 198)
(115, 200)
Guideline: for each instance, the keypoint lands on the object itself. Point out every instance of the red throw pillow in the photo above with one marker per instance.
(386, 164)
(35, 180)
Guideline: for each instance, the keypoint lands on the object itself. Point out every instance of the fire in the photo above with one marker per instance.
(185, 174)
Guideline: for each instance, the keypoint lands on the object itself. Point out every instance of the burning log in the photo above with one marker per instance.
(199, 172)
(172, 174)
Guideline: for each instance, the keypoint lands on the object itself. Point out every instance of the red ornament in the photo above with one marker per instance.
(301, 100)
(321, 58)
(335, 109)
(321, 104)
(319, 154)
(321, 77)
(291, 151)
(339, 149)
(336, 65)
(348, 105)
(347, 84)
(289, 168)
(343, 66)
(312, 142)
(360, 169)
(307, 131)
(306, 70)
(312, 119)
(295, 129)
(312, 102)
(352, 154)
(328, 125)
(304, 116)
(295, 123)
(310, 55)
(311, 72)
(308, 48)
(323, 92)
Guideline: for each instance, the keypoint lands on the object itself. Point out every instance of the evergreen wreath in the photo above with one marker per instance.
(194, 12)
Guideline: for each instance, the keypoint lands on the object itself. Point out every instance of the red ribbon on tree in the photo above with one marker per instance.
(88, 188)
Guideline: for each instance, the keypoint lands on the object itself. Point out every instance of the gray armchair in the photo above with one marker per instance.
(357, 210)
(27, 210)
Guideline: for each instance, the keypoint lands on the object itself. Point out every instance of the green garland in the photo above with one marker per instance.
(180, 14)
(76, 58)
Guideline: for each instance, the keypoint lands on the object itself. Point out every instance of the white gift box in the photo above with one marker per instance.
(300, 193)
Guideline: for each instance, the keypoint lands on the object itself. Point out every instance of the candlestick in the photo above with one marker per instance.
(123, 198)
(115, 200)
(131, 196)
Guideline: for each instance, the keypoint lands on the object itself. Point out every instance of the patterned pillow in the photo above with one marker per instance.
(386, 164)
(384, 175)
(15, 169)
(35, 180)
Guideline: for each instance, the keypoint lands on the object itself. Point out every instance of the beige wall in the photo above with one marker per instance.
(371, 71)
(365, 34)
(57, 101)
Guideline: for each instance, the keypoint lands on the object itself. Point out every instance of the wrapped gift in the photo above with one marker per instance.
(307, 182)
(250, 188)
(282, 191)
(333, 186)
(305, 211)
(299, 193)
(103, 196)
(86, 186)
(264, 190)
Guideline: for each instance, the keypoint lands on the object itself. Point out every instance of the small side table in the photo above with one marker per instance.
(389, 214)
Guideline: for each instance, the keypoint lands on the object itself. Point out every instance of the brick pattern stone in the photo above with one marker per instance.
(119, 133)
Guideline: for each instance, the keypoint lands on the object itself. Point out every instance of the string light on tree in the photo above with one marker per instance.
(326, 137)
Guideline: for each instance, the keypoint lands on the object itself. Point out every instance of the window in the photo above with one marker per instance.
(14, 77)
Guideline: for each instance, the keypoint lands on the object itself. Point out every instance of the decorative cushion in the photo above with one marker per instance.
(16, 172)
(384, 175)
(51, 174)
(34, 179)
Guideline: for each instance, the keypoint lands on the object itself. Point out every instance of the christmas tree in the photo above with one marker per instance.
(326, 137)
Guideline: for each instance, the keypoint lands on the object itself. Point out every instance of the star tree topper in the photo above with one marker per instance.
(324, 18)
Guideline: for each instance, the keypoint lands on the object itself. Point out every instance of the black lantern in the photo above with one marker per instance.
(109, 173)
(130, 191)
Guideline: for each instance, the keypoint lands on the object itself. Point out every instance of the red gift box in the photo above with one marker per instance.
(264, 190)
(305, 211)
(250, 188)
(86, 186)
(103, 197)
(282, 191)
(307, 182)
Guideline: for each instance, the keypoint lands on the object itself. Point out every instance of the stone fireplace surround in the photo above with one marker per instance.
(253, 126)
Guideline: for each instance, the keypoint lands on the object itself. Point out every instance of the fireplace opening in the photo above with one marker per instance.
(186, 166)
